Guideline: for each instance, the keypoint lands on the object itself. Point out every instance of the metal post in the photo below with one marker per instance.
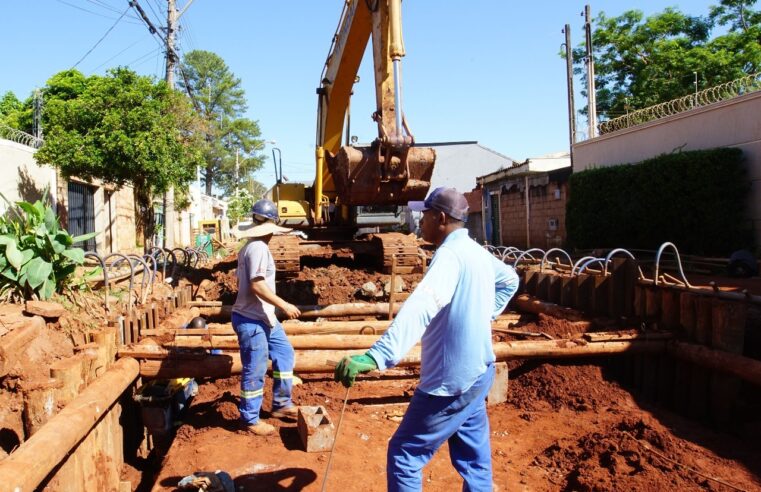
(591, 96)
(569, 84)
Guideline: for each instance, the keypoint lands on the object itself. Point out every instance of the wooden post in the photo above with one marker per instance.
(683, 370)
(392, 289)
(68, 372)
(600, 301)
(583, 292)
(669, 320)
(727, 334)
(553, 288)
(13, 344)
(700, 377)
(566, 291)
(40, 404)
(531, 278)
(542, 286)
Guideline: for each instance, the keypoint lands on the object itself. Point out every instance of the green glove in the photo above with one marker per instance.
(347, 370)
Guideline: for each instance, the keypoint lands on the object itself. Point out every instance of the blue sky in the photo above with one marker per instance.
(485, 70)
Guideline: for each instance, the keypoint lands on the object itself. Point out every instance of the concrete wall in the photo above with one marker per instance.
(22, 178)
(732, 123)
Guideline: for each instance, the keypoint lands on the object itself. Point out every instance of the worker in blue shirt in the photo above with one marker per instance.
(450, 312)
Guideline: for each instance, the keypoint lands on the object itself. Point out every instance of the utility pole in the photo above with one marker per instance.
(591, 96)
(171, 60)
(569, 84)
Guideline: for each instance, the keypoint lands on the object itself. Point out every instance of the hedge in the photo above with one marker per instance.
(696, 199)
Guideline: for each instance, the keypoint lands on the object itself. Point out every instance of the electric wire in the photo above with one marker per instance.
(102, 37)
(89, 11)
(119, 53)
(140, 58)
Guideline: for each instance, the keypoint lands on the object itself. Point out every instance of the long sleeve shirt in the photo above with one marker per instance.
(450, 312)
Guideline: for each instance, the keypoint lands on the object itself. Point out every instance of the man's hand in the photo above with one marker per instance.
(347, 370)
(290, 311)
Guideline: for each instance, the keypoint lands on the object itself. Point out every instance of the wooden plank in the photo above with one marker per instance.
(727, 334)
(600, 293)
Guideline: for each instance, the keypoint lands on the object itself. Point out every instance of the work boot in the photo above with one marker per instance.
(289, 412)
(260, 428)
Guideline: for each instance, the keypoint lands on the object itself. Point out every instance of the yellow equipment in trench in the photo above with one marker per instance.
(350, 180)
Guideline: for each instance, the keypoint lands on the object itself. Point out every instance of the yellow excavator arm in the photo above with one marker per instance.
(391, 171)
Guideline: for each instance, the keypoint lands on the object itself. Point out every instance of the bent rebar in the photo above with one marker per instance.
(589, 262)
(95, 255)
(570, 261)
(678, 262)
(527, 253)
(131, 273)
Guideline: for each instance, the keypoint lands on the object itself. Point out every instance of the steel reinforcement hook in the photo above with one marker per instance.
(570, 261)
(678, 262)
(95, 255)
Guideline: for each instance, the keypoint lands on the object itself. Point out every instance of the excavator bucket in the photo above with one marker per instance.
(374, 176)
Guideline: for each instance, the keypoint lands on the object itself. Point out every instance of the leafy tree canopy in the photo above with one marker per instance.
(120, 128)
(220, 100)
(644, 61)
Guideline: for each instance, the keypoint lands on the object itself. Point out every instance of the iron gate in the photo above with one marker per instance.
(82, 213)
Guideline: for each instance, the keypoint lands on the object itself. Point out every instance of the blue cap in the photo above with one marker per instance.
(447, 200)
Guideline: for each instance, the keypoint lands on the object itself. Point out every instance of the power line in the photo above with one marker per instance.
(122, 51)
(102, 38)
(143, 56)
(88, 11)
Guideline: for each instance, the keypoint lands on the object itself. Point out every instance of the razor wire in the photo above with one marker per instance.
(721, 92)
(23, 138)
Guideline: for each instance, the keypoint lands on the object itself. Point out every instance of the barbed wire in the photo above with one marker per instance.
(721, 92)
(9, 133)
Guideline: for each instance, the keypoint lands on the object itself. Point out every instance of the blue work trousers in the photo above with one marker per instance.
(429, 421)
(259, 342)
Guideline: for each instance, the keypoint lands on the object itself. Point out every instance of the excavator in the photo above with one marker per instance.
(355, 185)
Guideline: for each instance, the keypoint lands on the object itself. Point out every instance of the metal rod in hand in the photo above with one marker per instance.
(335, 439)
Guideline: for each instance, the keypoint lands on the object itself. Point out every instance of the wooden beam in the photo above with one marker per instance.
(737, 365)
(307, 361)
(315, 327)
(26, 467)
(13, 344)
(530, 304)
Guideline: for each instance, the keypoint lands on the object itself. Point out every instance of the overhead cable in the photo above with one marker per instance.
(102, 38)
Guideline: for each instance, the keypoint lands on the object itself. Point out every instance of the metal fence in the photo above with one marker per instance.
(18, 136)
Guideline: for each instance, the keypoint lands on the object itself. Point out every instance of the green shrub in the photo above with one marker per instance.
(37, 257)
(696, 199)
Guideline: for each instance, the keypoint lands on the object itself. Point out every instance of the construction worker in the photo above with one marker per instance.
(451, 309)
(260, 335)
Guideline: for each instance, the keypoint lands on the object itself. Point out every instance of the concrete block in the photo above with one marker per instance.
(316, 429)
(498, 392)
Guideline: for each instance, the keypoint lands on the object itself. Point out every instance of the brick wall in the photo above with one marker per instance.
(545, 203)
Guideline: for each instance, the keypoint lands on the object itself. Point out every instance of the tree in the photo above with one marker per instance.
(9, 104)
(239, 206)
(15, 113)
(121, 128)
(220, 100)
(641, 61)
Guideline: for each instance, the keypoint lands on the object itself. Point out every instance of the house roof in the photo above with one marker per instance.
(533, 165)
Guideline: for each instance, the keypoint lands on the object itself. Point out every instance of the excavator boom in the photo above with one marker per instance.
(391, 171)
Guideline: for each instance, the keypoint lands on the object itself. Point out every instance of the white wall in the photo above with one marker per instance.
(21, 175)
(732, 123)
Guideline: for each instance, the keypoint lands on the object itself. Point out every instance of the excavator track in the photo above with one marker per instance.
(285, 251)
(404, 246)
